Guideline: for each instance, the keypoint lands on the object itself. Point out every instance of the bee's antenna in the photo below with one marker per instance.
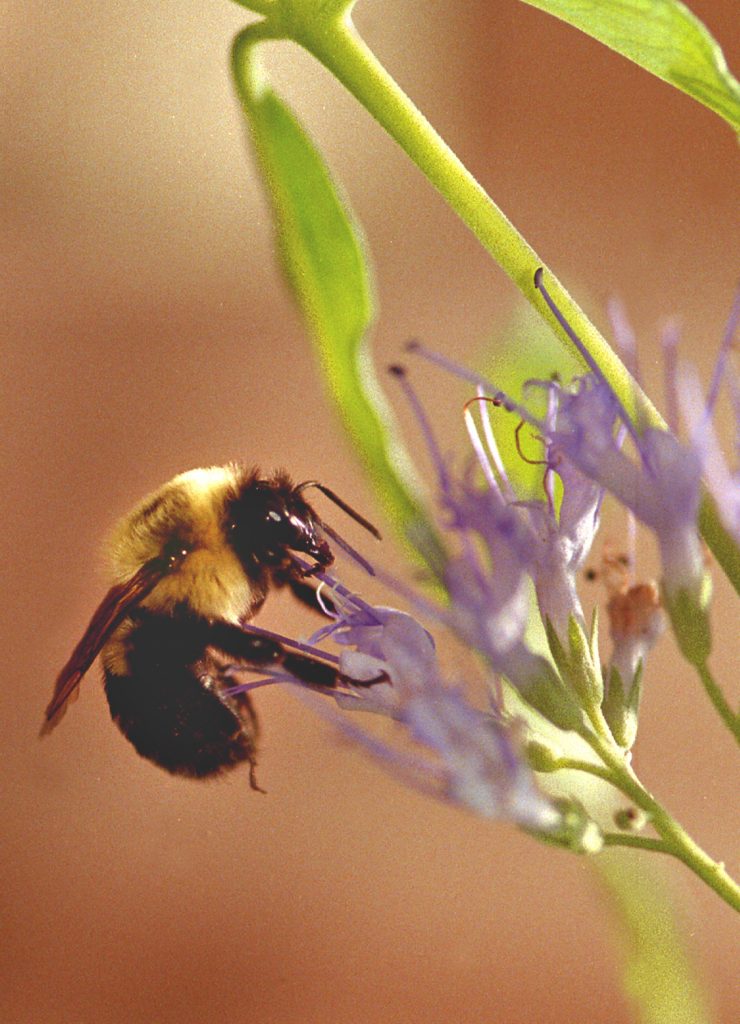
(342, 504)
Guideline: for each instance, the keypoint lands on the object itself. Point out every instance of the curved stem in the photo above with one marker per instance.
(639, 842)
(351, 61)
(245, 67)
(574, 765)
(337, 45)
(331, 37)
(728, 716)
(675, 840)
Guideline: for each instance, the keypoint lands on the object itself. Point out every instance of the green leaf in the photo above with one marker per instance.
(665, 38)
(577, 831)
(559, 654)
(657, 975)
(621, 709)
(585, 673)
(325, 264)
(593, 637)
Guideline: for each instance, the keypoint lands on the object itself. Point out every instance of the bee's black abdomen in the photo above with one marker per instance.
(171, 710)
(173, 720)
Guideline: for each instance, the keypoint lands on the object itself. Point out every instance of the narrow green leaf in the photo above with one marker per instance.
(665, 38)
(658, 976)
(620, 713)
(325, 264)
(593, 636)
(585, 674)
(559, 654)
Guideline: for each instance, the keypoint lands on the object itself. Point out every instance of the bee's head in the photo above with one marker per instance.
(268, 519)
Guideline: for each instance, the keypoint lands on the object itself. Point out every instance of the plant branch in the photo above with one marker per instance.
(338, 46)
(728, 716)
(639, 842)
(675, 840)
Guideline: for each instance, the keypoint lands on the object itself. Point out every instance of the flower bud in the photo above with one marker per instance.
(543, 689)
(631, 819)
(621, 709)
(688, 610)
(576, 832)
(543, 757)
(635, 623)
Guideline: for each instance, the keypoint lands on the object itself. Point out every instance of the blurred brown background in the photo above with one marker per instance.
(148, 331)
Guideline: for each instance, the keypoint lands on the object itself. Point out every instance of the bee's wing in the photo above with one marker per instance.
(110, 613)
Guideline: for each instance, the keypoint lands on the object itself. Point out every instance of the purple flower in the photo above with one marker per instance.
(448, 747)
(564, 539)
(496, 547)
(475, 754)
(584, 433)
(460, 753)
(722, 482)
(662, 486)
(502, 543)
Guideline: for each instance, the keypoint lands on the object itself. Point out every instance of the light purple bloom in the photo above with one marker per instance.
(662, 487)
(475, 755)
(497, 546)
(564, 539)
(584, 433)
(458, 752)
(722, 482)
(524, 538)
(504, 542)
(448, 748)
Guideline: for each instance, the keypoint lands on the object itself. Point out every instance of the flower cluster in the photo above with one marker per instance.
(584, 433)
(459, 752)
(498, 549)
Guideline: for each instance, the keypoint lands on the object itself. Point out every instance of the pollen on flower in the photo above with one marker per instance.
(635, 612)
(636, 621)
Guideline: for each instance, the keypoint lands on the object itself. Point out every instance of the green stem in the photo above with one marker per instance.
(350, 60)
(638, 842)
(675, 840)
(573, 765)
(721, 543)
(337, 45)
(728, 716)
(247, 72)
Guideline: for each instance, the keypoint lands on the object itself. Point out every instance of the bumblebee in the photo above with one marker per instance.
(192, 563)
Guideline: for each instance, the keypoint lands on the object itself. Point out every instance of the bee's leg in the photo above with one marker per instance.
(255, 651)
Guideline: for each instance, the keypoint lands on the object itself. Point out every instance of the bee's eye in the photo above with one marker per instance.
(273, 517)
